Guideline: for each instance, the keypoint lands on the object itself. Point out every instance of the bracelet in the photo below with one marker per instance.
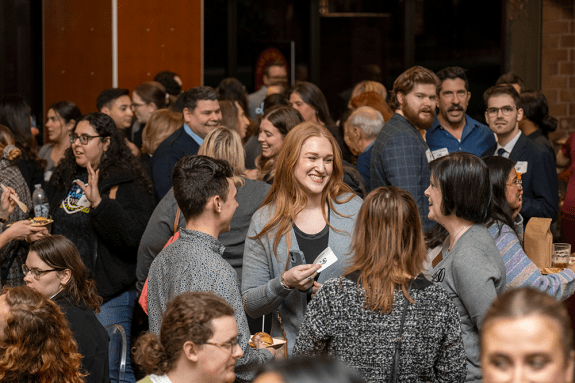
(283, 284)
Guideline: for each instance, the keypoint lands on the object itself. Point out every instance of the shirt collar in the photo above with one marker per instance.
(510, 145)
(212, 242)
(191, 133)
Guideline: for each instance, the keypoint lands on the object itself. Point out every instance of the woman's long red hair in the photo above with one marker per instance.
(286, 196)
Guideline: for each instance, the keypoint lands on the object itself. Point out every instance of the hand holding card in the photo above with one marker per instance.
(326, 258)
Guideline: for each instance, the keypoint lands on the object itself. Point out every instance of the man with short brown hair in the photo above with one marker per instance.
(400, 155)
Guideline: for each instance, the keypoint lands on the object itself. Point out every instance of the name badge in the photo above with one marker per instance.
(521, 167)
(440, 153)
(429, 155)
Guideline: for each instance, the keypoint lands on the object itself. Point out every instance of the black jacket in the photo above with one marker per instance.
(108, 243)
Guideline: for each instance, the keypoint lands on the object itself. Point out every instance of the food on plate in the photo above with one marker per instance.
(266, 339)
(40, 221)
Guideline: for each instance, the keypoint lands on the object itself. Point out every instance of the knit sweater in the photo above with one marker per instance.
(522, 272)
(261, 288)
(337, 322)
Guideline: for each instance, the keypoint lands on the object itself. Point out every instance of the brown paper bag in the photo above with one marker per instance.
(539, 242)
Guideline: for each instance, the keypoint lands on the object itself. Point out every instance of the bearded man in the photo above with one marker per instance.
(400, 155)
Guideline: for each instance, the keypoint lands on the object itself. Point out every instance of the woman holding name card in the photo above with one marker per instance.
(307, 210)
(469, 265)
(383, 295)
(506, 227)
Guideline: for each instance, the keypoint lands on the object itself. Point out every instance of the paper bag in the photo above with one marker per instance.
(539, 242)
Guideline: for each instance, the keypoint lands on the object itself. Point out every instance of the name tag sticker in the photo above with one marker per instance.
(521, 167)
(440, 153)
(429, 155)
(325, 259)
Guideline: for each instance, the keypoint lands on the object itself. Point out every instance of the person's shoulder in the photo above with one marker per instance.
(476, 124)
(534, 148)
(169, 143)
(45, 150)
(255, 186)
(352, 205)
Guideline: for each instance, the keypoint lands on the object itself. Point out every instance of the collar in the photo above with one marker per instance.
(470, 123)
(207, 239)
(191, 133)
(510, 145)
(369, 146)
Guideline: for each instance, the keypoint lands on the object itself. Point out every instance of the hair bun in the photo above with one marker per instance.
(11, 152)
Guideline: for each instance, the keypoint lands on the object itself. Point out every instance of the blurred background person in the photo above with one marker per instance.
(385, 294)
(275, 125)
(36, 344)
(101, 199)
(275, 73)
(304, 369)
(54, 269)
(308, 209)
(172, 83)
(527, 337)
(366, 86)
(234, 117)
(146, 99)
(198, 342)
(232, 89)
(469, 265)
(537, 123)
(61, 119)
(15, 114)
(505, 225)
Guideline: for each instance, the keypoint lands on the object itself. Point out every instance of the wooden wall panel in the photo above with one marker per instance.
(77, 51)
(159, 35)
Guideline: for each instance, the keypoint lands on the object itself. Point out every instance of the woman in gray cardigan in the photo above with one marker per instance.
(308, 210)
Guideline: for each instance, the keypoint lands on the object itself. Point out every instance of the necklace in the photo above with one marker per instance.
(456, 237)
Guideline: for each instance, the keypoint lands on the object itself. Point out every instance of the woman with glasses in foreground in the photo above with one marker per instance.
(506, 228)
(54, 269)
(101, 200)
(198, 342)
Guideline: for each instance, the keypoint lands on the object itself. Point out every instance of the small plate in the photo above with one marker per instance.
(277, 343)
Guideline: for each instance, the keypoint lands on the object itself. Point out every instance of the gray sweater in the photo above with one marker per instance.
(261, 288)
(473, 273)
(161, 225)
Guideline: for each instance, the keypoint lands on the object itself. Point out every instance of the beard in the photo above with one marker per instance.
(412, 116)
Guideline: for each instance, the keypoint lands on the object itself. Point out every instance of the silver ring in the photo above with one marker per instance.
(309, 278)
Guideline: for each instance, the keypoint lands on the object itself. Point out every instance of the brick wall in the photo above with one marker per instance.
(558, 63)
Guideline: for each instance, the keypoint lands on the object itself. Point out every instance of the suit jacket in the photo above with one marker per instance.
(540, 185)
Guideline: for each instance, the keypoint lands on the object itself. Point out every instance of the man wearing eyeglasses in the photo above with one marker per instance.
(532, 160)
(275, 74)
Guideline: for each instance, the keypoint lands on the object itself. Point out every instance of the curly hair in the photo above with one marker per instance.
(116, 160)
(7, 138)
(38, 346)
(61, 254)
(187, 318)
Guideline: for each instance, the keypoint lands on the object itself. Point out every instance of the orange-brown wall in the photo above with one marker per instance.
(152, 36)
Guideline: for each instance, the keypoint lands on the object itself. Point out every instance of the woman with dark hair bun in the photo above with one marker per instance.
(537, 123)
(62, 117)
(469, 265)
(101, 199)
(54, 269)
(505, 225)
(15, 114)
(36, 345)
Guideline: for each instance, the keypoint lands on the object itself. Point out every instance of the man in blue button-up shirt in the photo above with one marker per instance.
(453, 130)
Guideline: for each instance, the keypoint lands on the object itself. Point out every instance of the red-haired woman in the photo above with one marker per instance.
(358, 317)
(308, 209)
(36, 345)
(54, 269)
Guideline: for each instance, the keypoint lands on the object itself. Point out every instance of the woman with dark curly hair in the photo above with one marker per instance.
(198, 342)
(15, 114)
(101, 200)
(36, 345)
(54, 269)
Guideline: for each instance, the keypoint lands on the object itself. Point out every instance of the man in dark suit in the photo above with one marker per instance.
(400, 155)
(532, 160)
(201, 114)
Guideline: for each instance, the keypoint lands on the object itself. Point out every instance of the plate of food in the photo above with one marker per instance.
(40, 221)
(551, 270)
(267, 340)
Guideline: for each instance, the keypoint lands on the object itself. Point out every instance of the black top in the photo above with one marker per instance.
(312, 245)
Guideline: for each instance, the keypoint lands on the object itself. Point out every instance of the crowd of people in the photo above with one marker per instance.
(383, 245)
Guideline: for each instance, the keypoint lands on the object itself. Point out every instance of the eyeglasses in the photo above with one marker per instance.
(516, 183)
(227, 345)
(84, 139)
(506, 110)
(35, 272)
(137, 105)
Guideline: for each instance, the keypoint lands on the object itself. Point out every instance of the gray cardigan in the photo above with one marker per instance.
(473, 273)
(262, 291)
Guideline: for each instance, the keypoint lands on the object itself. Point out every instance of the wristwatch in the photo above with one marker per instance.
(283, 284)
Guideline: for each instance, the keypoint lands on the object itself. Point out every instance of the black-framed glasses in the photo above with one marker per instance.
(84, 139)
(506, 110)
(226, 345)
(35, 272)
